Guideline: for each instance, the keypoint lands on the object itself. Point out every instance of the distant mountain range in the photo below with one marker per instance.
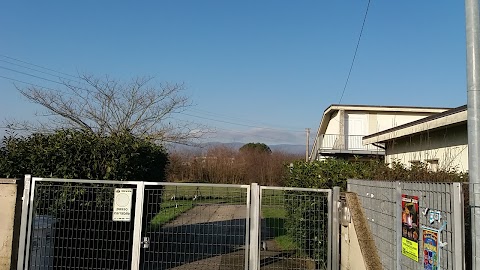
(286, 148)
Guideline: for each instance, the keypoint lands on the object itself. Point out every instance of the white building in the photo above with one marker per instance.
(342, 128)
(440, 140)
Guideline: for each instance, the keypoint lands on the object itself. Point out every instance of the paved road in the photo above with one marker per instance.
(210, 237)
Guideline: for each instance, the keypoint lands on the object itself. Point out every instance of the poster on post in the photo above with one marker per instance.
(430, 249)
(410, 226)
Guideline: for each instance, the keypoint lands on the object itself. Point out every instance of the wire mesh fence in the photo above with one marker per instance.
(72, 228)
(294, 229)
(400, 246)
(99, 224)
(195, 227)
(378, 201)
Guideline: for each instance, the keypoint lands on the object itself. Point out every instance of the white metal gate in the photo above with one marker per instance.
(100, 224)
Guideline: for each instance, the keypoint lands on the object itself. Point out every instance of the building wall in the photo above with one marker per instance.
(389, 120)
(333, 125)
(379, 121)
(8, 197)
(351, 257)
(448, 146)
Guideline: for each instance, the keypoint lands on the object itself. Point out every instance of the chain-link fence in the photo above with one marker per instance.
(401, 247)
(294, 229)
(72, 228)
(99, 224)
(195, 226)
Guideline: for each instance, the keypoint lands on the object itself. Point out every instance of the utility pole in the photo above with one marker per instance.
(473, 121)
(308, 144)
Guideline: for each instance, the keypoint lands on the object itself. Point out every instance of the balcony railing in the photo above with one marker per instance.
(346, 142)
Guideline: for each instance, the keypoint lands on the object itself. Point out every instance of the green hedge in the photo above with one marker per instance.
(78, 155)
(303, 219)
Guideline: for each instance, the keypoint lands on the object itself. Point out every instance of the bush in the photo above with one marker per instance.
(303, 215)
(78, 155)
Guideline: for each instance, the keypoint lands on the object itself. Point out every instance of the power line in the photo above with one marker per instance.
(28, 74)
(238, 124)
(36, 70)
(248, 134)
(236, 118)
(206, 118)
(28, 63)
(355, 54)
(15, 80)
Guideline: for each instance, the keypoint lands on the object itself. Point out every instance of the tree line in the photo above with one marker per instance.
(253, 163)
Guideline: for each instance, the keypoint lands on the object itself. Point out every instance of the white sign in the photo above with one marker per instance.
(122, 204)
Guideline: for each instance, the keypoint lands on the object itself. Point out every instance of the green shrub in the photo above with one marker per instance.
(305, 218)
(79, 155)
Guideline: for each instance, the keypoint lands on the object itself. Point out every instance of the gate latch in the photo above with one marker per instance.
(145, 242)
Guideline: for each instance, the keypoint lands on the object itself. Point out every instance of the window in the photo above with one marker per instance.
(415, 163)
(432, 164)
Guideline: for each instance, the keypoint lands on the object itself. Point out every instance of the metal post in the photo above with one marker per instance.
(254, 227)
(335, 251)
(473, 111)
(247, 228)
(307, 150)
(30, 222)
(137, 226)
(458, 226)
(398, 225)
(23, 222)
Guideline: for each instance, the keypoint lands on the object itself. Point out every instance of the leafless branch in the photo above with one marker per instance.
(107, 106)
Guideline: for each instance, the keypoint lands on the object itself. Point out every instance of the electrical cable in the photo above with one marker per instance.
(28, 63)
(355, 53)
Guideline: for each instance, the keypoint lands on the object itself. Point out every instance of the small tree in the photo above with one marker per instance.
(106, 106)
(257, 147)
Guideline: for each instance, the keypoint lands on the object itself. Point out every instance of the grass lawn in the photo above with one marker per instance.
(179, 199)
(169, 211)
(275, 221)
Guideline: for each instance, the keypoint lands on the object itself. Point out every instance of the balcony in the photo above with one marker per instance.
(330, 144)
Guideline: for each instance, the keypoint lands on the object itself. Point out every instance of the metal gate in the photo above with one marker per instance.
(100, 224)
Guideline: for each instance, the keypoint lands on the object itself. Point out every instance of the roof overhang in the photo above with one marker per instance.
(448, 118)
(372, 108)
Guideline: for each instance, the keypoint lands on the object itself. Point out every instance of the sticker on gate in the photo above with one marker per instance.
(122, 204)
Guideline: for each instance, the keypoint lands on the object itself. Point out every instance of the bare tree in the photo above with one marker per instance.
(108, 106)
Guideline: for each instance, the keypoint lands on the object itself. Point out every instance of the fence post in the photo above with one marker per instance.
(137, 226)
(458, 228)
(398, 227)
(254, 261)
(23, 222)
(334, 252)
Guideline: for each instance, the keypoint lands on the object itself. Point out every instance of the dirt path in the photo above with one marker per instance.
(209, 237)
(204, 237)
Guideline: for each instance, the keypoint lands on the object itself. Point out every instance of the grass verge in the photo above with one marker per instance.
(275, 221)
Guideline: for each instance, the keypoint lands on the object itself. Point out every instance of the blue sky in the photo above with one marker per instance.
(257, 71)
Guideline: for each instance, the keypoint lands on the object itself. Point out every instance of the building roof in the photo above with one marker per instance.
(448, 118)
(395, 108)
(336, 107)
(330, 110)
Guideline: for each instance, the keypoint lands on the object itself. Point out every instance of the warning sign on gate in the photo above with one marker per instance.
(122, 204)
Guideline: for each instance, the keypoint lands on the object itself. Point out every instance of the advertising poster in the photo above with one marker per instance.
(430, 249)
(410, 226)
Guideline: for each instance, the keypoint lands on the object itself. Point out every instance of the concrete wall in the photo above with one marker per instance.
(447, 145)
(351, 255)
(375, 122)
(358, 250)
(8, 202)
(334, 124)
(389, 120)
